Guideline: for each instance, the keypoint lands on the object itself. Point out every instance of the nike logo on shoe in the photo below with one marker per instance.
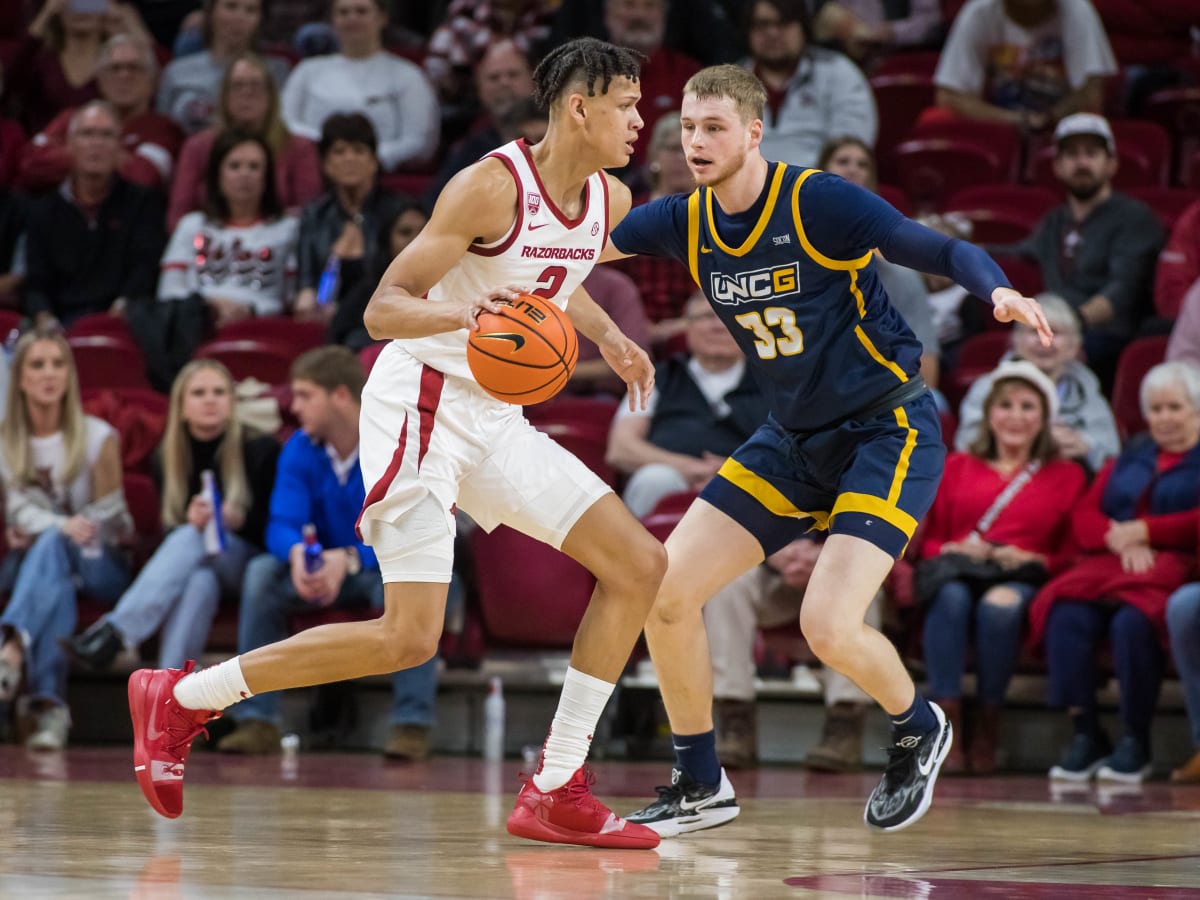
(153, 732)
(695, 805)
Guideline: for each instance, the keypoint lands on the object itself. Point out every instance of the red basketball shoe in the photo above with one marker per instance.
(162, 735)
(571, 815)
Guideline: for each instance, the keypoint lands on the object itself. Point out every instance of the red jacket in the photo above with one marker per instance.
(1097, 574)
(151, 143)
(1036, 520)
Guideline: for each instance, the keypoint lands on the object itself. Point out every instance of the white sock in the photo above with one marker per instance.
(579, 707)
(213, 688)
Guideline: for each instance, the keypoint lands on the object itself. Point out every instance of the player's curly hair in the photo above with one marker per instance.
(585, 59)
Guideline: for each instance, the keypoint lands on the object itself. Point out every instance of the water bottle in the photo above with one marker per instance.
(493, 721)
(313, 560)
(214, 531)
(327, 286)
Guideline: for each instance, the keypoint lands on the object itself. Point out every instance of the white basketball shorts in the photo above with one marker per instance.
(430, 441)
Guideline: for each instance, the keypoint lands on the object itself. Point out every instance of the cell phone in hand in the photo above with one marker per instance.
(88, 6)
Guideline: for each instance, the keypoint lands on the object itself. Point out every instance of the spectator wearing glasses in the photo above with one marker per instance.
(150, 142)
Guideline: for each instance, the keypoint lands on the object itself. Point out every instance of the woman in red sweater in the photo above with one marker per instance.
(1006, 501)
(1136, 533)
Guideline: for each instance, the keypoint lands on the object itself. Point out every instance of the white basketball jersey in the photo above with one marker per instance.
(543, 253)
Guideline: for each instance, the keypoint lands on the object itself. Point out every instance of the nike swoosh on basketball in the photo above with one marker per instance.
(532, 227)
(517, 339)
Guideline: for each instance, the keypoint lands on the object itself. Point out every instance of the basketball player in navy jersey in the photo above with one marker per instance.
(852, 445)
(537, 218)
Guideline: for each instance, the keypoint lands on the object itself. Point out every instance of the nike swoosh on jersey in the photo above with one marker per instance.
(517, 339)
(706, 249)
(531, 227)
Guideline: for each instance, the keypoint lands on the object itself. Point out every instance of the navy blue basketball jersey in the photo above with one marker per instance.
(793, 278)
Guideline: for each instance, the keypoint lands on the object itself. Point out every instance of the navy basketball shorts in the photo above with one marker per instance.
(872, 478)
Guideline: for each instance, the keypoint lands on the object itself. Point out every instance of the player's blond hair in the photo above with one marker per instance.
(733, 83)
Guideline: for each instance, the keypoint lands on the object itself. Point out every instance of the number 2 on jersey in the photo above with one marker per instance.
(552, 278)
(766, 342)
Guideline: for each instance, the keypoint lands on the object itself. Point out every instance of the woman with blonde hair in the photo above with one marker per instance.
(248, 102)
(66, 517)
(180, 586)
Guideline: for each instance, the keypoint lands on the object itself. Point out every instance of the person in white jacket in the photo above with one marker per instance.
(392, 92)
(813, 94)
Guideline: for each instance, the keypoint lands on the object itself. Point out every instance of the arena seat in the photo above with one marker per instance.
(1138, 358)
(941, 158)
(1168, 203)
(900, 98)
(101, 324)
(293, 335)
(1178, 111)
(661, 520)
(103, 361)
(580, 424)
(250, 358)
(978, 355)
(1025, 275)
(1002, 213)
(530, 594)
(368, 354)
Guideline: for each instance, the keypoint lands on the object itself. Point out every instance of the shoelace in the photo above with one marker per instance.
(580, 792)
(182, 733)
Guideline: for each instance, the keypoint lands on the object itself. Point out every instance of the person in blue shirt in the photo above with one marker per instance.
(318, 481)
(852, 445)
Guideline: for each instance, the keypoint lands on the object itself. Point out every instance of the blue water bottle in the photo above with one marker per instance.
(313, 560)
(327, 286)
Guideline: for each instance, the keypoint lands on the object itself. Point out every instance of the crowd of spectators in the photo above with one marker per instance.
(181, 170)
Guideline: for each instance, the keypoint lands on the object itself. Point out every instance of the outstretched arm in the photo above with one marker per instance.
(625, 357)
(478, 204)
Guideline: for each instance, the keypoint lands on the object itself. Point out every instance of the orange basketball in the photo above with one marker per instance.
(525, 353)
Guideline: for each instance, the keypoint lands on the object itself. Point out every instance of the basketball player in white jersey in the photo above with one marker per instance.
(523, 218)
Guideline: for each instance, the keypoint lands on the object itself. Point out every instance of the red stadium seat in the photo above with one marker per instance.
(1167, 203)
(978, 355)
(1143, 154)
(941, 158)
(530, 594)
(101, 324)
(1178, 111)
(1190, 177)
(256, 359)
(894, 196)
(290, 334)
(661, 520)
(1002, 213)
(108, 362)
(920, 62)
(138, 414)
(900, 99)
(1025, 275)
(368, 354)
(10, 321)
(581, 425)
(1138, 358)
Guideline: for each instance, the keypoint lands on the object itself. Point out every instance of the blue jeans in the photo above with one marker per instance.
(1183, 622)
(1074, 631)
(269, 597)
(997, 640)
(43, 602)
(179, 590)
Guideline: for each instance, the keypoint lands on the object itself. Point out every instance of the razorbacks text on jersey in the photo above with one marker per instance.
(544, 252)
(794, 281)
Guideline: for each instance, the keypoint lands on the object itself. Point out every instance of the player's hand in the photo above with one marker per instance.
(1011, 306)
(633, 365)
(491, 302)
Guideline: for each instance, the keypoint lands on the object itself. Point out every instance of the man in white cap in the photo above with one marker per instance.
(1097, 250)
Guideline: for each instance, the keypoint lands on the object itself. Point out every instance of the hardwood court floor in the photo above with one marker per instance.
(353, 827)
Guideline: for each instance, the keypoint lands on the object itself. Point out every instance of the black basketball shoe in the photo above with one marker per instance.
(684, 806)
(906, 791)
